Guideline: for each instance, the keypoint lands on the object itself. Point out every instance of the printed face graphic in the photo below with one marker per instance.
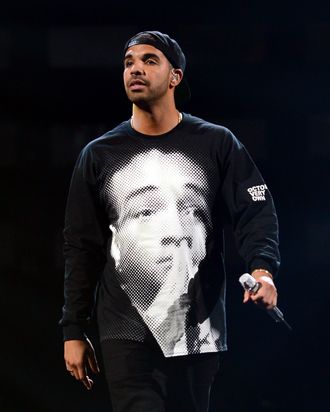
(159, 238)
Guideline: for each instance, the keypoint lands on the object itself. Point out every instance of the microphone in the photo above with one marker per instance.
(250, 284)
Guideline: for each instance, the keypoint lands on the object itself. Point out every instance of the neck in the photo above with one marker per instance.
(155, 121)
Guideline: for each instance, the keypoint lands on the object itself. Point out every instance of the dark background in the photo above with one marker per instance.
(261, 69)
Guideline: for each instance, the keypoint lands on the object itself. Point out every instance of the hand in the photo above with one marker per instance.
(78, 354)
(266, 296)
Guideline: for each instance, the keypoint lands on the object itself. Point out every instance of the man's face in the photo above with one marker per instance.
(146, 73)
(163, 215)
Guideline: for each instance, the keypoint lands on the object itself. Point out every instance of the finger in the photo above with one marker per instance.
(81, 372)
(247, 296)
(265, 293)
(87, 382)
(92, 361)
(266, 301)
(272, 303)
(72, 371)
(261, 300)
(275, 300)
(270, 297)
(257, 297)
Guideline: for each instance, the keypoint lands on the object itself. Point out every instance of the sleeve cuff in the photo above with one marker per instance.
(73, 332)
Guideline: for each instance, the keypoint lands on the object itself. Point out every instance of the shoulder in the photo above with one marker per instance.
(93, 152)
(105, 140)
(109, 137)
(216, 131)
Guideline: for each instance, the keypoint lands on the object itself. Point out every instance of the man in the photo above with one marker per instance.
(144, 226)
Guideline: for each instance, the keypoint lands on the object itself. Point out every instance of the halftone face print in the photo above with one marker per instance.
(160, 234)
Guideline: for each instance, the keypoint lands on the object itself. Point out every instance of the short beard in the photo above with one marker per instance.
(140, 103)
(143, 102)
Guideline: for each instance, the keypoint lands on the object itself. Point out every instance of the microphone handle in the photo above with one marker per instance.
(277, 315)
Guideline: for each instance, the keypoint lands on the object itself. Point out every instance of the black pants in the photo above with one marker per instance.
(141, 379)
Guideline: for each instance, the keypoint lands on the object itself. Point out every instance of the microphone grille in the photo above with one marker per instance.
(247, 281)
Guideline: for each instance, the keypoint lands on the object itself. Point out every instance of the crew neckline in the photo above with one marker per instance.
(134, 133)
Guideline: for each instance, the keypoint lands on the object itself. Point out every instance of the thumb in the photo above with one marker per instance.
(92, 361)
(246, 297)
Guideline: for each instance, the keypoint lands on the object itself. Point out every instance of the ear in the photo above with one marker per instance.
(176, 77)
(115, 249)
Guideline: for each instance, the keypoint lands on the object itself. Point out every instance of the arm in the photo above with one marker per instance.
(84, 252)
(254, 219)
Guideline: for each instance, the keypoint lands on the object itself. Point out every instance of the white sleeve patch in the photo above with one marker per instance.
(258, 193)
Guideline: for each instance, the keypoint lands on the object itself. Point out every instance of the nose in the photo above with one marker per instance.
(176, 241)
(137, 68)
(175, 232)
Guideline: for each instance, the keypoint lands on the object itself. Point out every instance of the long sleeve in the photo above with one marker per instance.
(84, 248)
(251, 208)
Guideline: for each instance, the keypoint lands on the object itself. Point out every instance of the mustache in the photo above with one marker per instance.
(138, 80)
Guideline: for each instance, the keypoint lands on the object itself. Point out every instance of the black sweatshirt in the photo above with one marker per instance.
(143, 236)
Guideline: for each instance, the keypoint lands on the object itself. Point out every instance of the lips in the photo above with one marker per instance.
(136, 84)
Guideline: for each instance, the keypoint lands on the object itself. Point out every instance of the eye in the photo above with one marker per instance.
(150, 61)
(144, 213)
(194, 212)
(128, 63)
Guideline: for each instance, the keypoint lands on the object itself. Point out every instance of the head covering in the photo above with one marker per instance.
(172, 51)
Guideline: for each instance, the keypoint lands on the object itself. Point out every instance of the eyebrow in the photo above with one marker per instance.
(140, 190)
(198, 189)
(145, 56)
(150, 188)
